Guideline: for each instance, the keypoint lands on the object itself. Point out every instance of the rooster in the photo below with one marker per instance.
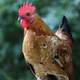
(49, 53)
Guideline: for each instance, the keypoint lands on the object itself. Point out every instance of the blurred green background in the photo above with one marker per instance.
(12, 63)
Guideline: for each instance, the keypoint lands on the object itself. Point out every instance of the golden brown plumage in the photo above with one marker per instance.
(40, 52)
(49, 54)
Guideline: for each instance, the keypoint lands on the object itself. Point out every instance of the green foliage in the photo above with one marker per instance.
(12, 63)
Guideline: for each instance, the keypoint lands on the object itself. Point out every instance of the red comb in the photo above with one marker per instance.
(26, 7)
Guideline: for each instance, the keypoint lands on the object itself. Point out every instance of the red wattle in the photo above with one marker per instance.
(24, 23)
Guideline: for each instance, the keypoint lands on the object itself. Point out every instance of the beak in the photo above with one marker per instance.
(19, 18)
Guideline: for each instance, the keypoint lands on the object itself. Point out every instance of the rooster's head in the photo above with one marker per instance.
(26, 14)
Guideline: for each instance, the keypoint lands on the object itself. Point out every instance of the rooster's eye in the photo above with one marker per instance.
(27, 14)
